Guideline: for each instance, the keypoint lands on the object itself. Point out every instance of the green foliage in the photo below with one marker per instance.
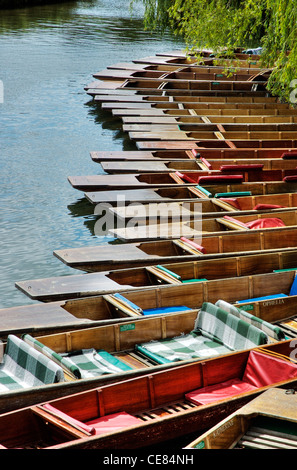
(227, 24)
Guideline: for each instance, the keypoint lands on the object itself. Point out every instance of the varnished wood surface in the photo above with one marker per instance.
(273, 403)
(82, 285)
(153, 396)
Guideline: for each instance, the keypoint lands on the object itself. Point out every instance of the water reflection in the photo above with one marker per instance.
(48, 126)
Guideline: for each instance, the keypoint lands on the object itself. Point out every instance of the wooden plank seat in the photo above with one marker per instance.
(216, 332)
(24, 367)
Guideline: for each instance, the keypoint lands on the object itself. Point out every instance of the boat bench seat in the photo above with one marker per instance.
(262, 369)
(274, 332)
(131, 309)
(24, 367)
(215, 332)
(101, 425)
(84, 363)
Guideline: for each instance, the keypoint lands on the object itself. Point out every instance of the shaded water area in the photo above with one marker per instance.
(49, 125)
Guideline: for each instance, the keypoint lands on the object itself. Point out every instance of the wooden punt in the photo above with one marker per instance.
(183, 120)
(155, 414)
(182, 155)
(204, 208)
(114, 167)
(219, 144)
(211, 135)
(242, 178)
(59, 288)
(98, 258)
(220, 104)
(160, 225)
(199, 73)
(167, 300)
(120, 338)
(267, 422)
(185, 193)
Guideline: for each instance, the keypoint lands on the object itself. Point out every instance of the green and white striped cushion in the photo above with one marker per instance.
(82, 364)
(216, 332)
(271, 330)
(235, 333)
(24, 367)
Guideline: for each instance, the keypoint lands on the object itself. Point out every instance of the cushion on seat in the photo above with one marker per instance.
(213, 393)
(92, 363)
(24, 367)
(264, 369)
(185, 177)
(262, 207)
(216, 332)
(232, 201)
(265, 297)
(289, 155)
(113, 422)
(182, 348)
(48, 352)
(293, 290)
(194, 244)
(265, 223)
(271, 330)
(220, 179)
(206, 162)
(221, 326)
(290, 179)
(245, 167)
(163, 310)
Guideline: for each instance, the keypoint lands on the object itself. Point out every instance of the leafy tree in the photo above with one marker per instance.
(227, 24)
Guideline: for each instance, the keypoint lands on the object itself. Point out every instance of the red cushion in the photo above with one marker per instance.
(212, 393)
(288, 179)
(193, 244)
(260, 207)
(185, 177)
(263, 369)
(227, 217)
(220, 179)
(265, 223)
(206, 163)
(232, 201)
(288, 155)
(255, 166)
(113, 422)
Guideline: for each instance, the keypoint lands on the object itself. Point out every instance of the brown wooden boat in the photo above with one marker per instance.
(157, 412)
(98, 283)
(221, 144)
(99, 258)
(167, 166)
(267, 422)
(154, 213)
(189, 193)
(217, 110)
(185, 155)
(153, 300)
(122, 346)
(160, 225)
(235, 177)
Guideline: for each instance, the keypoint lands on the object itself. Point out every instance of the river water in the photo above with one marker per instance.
(49, 125)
